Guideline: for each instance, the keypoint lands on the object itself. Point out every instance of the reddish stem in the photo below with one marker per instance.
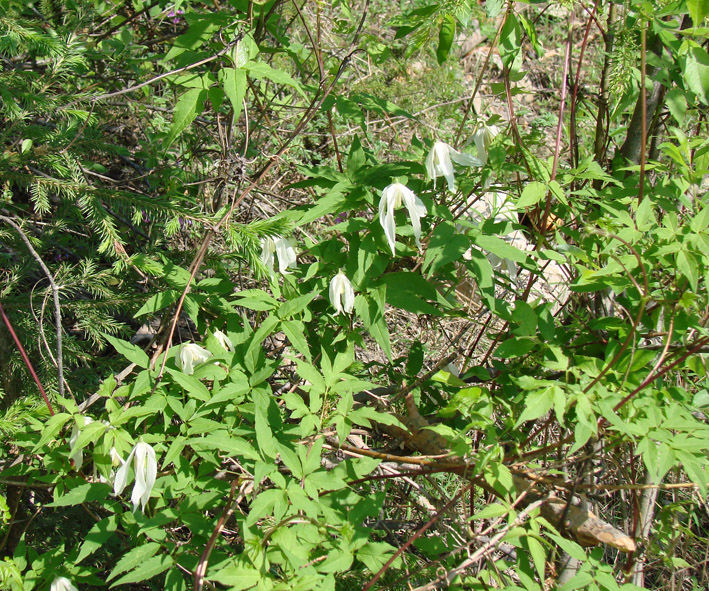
(26, 359)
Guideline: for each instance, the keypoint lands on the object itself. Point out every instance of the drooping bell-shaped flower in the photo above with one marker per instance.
(223, 340)
(483, 138)
(191, 354)
(439, 162)
(145, 467)
(392, 198)
(341, 294)
(62, 584)
(282, 248)
(78, 457)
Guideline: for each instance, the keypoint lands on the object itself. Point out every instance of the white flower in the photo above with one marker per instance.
(341, 294)
(78, 457)
(282, 248)
(191, 354)
(116, 459)
(438, 162)
(62, 584)
(392, 197)
(483, 138)
(224, 340)
(145, 467)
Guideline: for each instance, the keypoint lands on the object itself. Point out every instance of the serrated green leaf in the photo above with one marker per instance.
(237, 578)
(147, 570)
(133, 558)
(97, 536)
(188, 106)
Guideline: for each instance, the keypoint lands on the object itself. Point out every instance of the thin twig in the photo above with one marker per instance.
(55, 296)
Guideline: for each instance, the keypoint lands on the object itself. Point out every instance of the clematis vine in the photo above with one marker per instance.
(483, 138)
(282, 248)
(62, 584)
(341, 294)
(223, 340)
(393, 197)
(439, 162)
(145, 467)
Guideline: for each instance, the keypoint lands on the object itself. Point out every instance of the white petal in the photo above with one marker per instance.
(465, 159)
(62, 584)
(145, 474)
(349, 297)
(224, 340)
(341, 294)
(190, 354)
(116, 459)
(286, 255)
(122, 475)
(268, 247)
(480, 146)
(430, 168)
(417, 210)
(335, 294)
(387, 204)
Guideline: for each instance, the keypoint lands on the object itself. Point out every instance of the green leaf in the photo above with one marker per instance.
(696, 72)
(677, 104)
(510, 39)
(133, 558)
(131, 352)
(445, 246)
(536, 404)
(370, 309)
(235, 84)
(237, 577)
(190, 384)
(235, 446)
(97, 536)
(698, 9)
(538, 554)
(188, 106)
(147, 570)
(158, 302)
(491, 511)
(687, 265)
(53, 425)
(260, 70)
(89, 491)
(446, 34)
(356, 158)
(515, 347)
(375, 554)
(295, 332)
(532, 194)
(500, 247)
